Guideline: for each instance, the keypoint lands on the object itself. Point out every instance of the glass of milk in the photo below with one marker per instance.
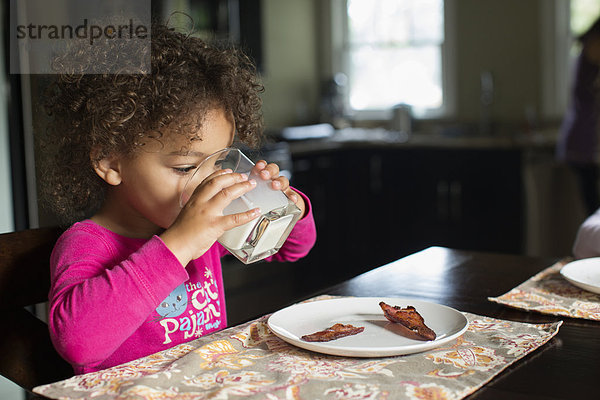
(261, 237)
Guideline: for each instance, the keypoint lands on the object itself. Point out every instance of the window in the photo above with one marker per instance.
(583, 14)
(394, 52)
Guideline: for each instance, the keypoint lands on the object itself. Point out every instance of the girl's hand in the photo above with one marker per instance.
(271, 171)
(201, 221)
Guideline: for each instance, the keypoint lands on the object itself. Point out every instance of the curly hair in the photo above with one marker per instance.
(97, 115)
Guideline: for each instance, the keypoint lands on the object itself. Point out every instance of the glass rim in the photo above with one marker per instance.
(223, 150)
(197, 167)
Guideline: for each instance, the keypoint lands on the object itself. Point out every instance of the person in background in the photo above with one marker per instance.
(578, 140)
(139, 274)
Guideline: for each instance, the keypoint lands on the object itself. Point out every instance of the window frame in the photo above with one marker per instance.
(556, 61)
(339, 49)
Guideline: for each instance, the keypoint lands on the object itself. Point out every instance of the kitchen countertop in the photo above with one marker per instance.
(359, 138)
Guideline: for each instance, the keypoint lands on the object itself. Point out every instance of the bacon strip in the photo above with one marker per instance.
(334, 332)
(409, 318)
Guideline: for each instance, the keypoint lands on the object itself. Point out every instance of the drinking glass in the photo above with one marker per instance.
(263, 236)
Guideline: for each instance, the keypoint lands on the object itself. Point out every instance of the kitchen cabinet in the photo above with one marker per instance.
(333, 180)
(374, 204)
(460, 198)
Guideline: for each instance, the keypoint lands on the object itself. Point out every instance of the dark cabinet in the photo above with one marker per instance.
(460, 198)
(373, 205)
(333, 182)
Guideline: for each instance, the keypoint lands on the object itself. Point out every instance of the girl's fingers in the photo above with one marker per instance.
(260, 165)
(280, 183)
(258, 168)
(266, 171)
(233, 220)
(218, 173)
(227, 194)
(217, 182)
(293, 196)
(271, 171)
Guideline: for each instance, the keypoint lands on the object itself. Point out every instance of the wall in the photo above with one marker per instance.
(290, 62)
(503, 37)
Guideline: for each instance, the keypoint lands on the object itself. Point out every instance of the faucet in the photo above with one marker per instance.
(486, 98)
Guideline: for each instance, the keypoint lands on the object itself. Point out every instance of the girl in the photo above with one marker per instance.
(141, 274)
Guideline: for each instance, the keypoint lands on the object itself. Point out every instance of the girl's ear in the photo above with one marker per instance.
(108, 168)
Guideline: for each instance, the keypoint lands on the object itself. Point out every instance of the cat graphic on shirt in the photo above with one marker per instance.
(174, 304)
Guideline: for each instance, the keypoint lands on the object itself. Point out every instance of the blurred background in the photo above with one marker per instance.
(409, 123)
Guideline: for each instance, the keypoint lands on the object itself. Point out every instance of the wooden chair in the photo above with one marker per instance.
(27, 356)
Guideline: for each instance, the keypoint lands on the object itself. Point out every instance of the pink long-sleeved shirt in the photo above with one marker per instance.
(114, 299)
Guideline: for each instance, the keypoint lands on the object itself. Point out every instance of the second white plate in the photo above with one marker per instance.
(379, 338)
(584, 273)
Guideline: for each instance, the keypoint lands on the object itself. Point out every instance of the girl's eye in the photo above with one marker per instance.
(184, 170)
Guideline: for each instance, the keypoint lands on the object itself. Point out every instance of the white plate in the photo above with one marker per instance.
(378, 339)
(584, 273)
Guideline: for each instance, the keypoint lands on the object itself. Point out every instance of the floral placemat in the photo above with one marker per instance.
(549, 293)
(248, 361)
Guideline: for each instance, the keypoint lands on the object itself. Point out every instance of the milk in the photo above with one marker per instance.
(262, 236)
(265, 235)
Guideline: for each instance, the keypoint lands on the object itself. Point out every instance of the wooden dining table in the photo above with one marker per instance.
(567, 367)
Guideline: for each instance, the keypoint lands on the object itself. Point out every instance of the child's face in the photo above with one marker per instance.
(153, 179)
